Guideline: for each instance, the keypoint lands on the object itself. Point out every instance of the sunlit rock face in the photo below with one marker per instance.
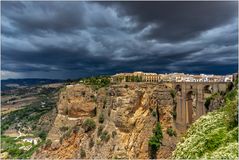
(77, 101)
(128, 121)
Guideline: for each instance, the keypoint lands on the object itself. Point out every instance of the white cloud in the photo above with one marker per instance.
(9, 74)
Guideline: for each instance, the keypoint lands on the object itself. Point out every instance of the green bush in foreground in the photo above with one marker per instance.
(213, 136)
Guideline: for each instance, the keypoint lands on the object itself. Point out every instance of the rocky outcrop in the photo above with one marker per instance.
(77, 101)
(124, 116)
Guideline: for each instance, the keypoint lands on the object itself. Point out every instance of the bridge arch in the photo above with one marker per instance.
(207, 91)
(178, 89)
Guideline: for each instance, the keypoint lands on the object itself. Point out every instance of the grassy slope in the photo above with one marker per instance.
(214, 136)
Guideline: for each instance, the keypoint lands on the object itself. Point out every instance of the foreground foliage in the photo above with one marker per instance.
(214, 136)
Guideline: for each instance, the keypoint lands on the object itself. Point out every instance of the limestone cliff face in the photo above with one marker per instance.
(128, 112)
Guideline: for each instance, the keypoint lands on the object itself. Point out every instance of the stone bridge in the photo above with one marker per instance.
(191, 97)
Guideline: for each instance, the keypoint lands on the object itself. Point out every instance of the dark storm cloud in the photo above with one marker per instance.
(181, 20)
(75, 39)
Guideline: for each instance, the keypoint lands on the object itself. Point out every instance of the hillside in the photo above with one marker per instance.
(213, 136)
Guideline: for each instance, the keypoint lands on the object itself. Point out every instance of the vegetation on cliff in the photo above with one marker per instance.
(214, 136)
(209, 99)
(89, 124)
(155, 141)
(97, 82)
(133, 79)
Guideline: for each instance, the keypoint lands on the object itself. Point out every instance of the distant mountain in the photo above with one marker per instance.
(15, 83)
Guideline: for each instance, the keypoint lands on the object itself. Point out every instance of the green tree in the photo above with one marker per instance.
(155, 141)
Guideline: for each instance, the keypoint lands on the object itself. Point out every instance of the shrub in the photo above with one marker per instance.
(76, 129)
(98, 142)
(155, 141)
(82, 153)
(88, 125)
(231, 109)
(231, 95)
(64, 128)
(104, 103)
(91, 143)
(229, 86)
(209, 99)
(151, 109)
(174, 113)
(61, 139)
(114, 133)
(235, 82)
(222, 93)
(105, 136)
(65, 111)
(101, 118)
(100, 129)
(94, 112)
(42, 134)
(34, 126)
(154, 114)
(171, 132)
(173, 93)
(67, 134)
(214, 139)
(48, 143)
(207, 102)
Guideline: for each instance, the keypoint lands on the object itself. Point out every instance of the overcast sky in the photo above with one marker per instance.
(77, 39)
